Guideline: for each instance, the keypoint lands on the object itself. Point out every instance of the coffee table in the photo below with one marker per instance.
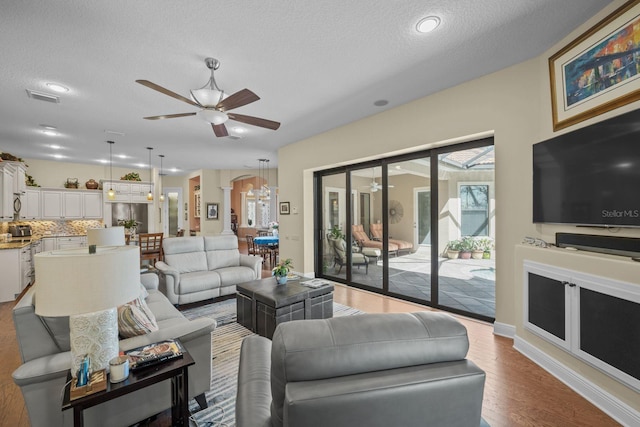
(263, 304)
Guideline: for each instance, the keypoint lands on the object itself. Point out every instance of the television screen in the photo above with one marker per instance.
(590, 176)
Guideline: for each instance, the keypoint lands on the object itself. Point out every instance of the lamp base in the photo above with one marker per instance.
(96, 335)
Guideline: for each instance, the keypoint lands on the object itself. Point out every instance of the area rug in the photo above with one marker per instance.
(225, 345)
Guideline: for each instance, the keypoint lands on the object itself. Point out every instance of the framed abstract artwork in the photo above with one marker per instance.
(599, 71)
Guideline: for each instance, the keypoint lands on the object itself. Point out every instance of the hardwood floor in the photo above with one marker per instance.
(517, 391)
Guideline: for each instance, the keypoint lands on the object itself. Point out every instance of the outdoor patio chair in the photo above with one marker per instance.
(376, 233)
(340, 255)
(363, 240)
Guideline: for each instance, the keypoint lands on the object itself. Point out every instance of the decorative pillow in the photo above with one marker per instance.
(135, 318)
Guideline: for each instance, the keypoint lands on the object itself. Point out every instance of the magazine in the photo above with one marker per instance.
(153, 354)
(316, 283)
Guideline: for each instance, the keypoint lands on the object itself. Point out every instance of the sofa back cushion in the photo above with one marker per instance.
(222, 251)
(185, 254)
(318, 349)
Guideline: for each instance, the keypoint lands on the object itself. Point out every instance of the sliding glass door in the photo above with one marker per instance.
(397, 226)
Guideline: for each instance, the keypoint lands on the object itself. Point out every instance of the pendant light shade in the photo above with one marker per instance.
(150, 194)
(111, 195)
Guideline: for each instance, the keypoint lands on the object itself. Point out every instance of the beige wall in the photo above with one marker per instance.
(513, 105)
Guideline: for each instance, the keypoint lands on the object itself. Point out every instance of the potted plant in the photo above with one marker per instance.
(477, 252)
(336, 233)
(486, 244)
(453, 249)
(129, 224)
(466, 246)
(281, 270)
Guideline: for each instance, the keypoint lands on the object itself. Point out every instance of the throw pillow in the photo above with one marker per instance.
(135, 318)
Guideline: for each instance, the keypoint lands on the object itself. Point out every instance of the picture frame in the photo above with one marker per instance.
(212, 210)
(285, 208)
(599, 71)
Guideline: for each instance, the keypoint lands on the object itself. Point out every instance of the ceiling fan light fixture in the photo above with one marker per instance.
(428, 24)
(213, 116)
(206, 97)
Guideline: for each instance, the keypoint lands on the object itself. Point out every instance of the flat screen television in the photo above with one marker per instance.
(590, 176)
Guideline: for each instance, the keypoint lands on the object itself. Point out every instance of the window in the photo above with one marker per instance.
(474, 209)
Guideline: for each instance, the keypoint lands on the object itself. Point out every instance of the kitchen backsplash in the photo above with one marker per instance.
(43, 228)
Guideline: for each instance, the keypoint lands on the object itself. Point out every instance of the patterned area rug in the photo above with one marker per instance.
(225, 344)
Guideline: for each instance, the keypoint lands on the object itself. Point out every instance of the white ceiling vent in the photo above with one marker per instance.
(41, 96)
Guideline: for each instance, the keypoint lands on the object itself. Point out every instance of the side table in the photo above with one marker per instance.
(176, 370)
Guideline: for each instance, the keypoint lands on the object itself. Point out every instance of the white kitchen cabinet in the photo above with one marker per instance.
(71, 242)
(71, 204)
(10, 279)
(6, 189)
(92, 205)
(49, 244)
(19, 184)
(30, 204)
(127, 191)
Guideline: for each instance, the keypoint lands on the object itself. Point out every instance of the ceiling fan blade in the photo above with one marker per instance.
(169, 116)
(220, 130)
(160, 89)
(238, 99)
(255, 121)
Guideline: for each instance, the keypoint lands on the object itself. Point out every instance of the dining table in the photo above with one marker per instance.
(266, 240)
(268, 247)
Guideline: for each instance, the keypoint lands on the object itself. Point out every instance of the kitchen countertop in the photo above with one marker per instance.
(21, 242)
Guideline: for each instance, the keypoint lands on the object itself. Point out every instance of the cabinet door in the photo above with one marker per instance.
(19, 185)
(72, 206)
(139, 193)
(30, 204)
(25, 267)
(10, 279)
(70, 242)
(52, 207)
(92, 205)
(49, 244)
(123, 192)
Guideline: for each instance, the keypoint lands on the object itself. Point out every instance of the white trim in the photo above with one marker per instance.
(612, 406)
(504, 330)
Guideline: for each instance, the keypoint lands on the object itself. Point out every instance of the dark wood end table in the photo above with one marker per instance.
(176, 370)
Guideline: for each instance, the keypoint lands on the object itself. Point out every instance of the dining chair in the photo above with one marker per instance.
(251, 247)
(150, 247)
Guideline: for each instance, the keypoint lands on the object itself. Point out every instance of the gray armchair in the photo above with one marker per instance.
(371, 369)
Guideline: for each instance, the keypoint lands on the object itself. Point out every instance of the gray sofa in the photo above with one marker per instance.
(203, 267)
(44, 349)
(371, 369)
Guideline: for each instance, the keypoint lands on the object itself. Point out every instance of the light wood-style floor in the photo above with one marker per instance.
(517, 392)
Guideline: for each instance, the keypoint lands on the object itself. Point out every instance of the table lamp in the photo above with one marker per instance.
(112, 236)
(88, 288)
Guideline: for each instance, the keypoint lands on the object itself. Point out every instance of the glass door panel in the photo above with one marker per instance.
(409, 228)
(466, 230)
(334, 220)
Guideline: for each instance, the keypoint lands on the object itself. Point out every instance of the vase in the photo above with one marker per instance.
(274, 231)
(281, 280)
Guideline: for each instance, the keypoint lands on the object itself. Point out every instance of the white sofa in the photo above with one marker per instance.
(44, 350)
(203, 267)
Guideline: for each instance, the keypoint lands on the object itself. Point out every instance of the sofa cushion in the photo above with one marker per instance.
(198, 281)
(135, 318)
(222, 251)
(161, 307)
(231, 276)
(185, 254)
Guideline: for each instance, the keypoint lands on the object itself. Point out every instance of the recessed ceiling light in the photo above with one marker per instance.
(103, 161)
(141, 165)
(57, 87)
(428, 24)
(174, 170)
(122, 156)
(381, 103)
(50, 132)
(55, 147)
(51, 127)
(58, 156)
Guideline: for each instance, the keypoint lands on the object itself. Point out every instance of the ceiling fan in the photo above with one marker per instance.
(214, 104)
(375, 186)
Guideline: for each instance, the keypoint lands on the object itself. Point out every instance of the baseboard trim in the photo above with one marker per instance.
(612, 406)
(504, 330)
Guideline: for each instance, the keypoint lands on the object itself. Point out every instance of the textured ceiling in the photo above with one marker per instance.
(315, 65)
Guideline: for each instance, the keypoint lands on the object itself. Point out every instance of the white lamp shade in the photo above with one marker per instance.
(213, 116)
(112, 236)
(207, 97)
(73, 281)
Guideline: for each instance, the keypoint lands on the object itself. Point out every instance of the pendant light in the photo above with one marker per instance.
(150, 195)
(111, 195)
(161, 175)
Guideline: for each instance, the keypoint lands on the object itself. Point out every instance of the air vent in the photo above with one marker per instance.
(41, 96)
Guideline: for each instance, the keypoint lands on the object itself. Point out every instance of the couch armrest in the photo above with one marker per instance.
(185, 331)
(253, 262)
(253, 401)
(149, 281)
(42, 369)
(169, 281)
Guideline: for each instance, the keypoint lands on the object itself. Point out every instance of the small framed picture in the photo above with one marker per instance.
(212, 211)
(284, 208)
